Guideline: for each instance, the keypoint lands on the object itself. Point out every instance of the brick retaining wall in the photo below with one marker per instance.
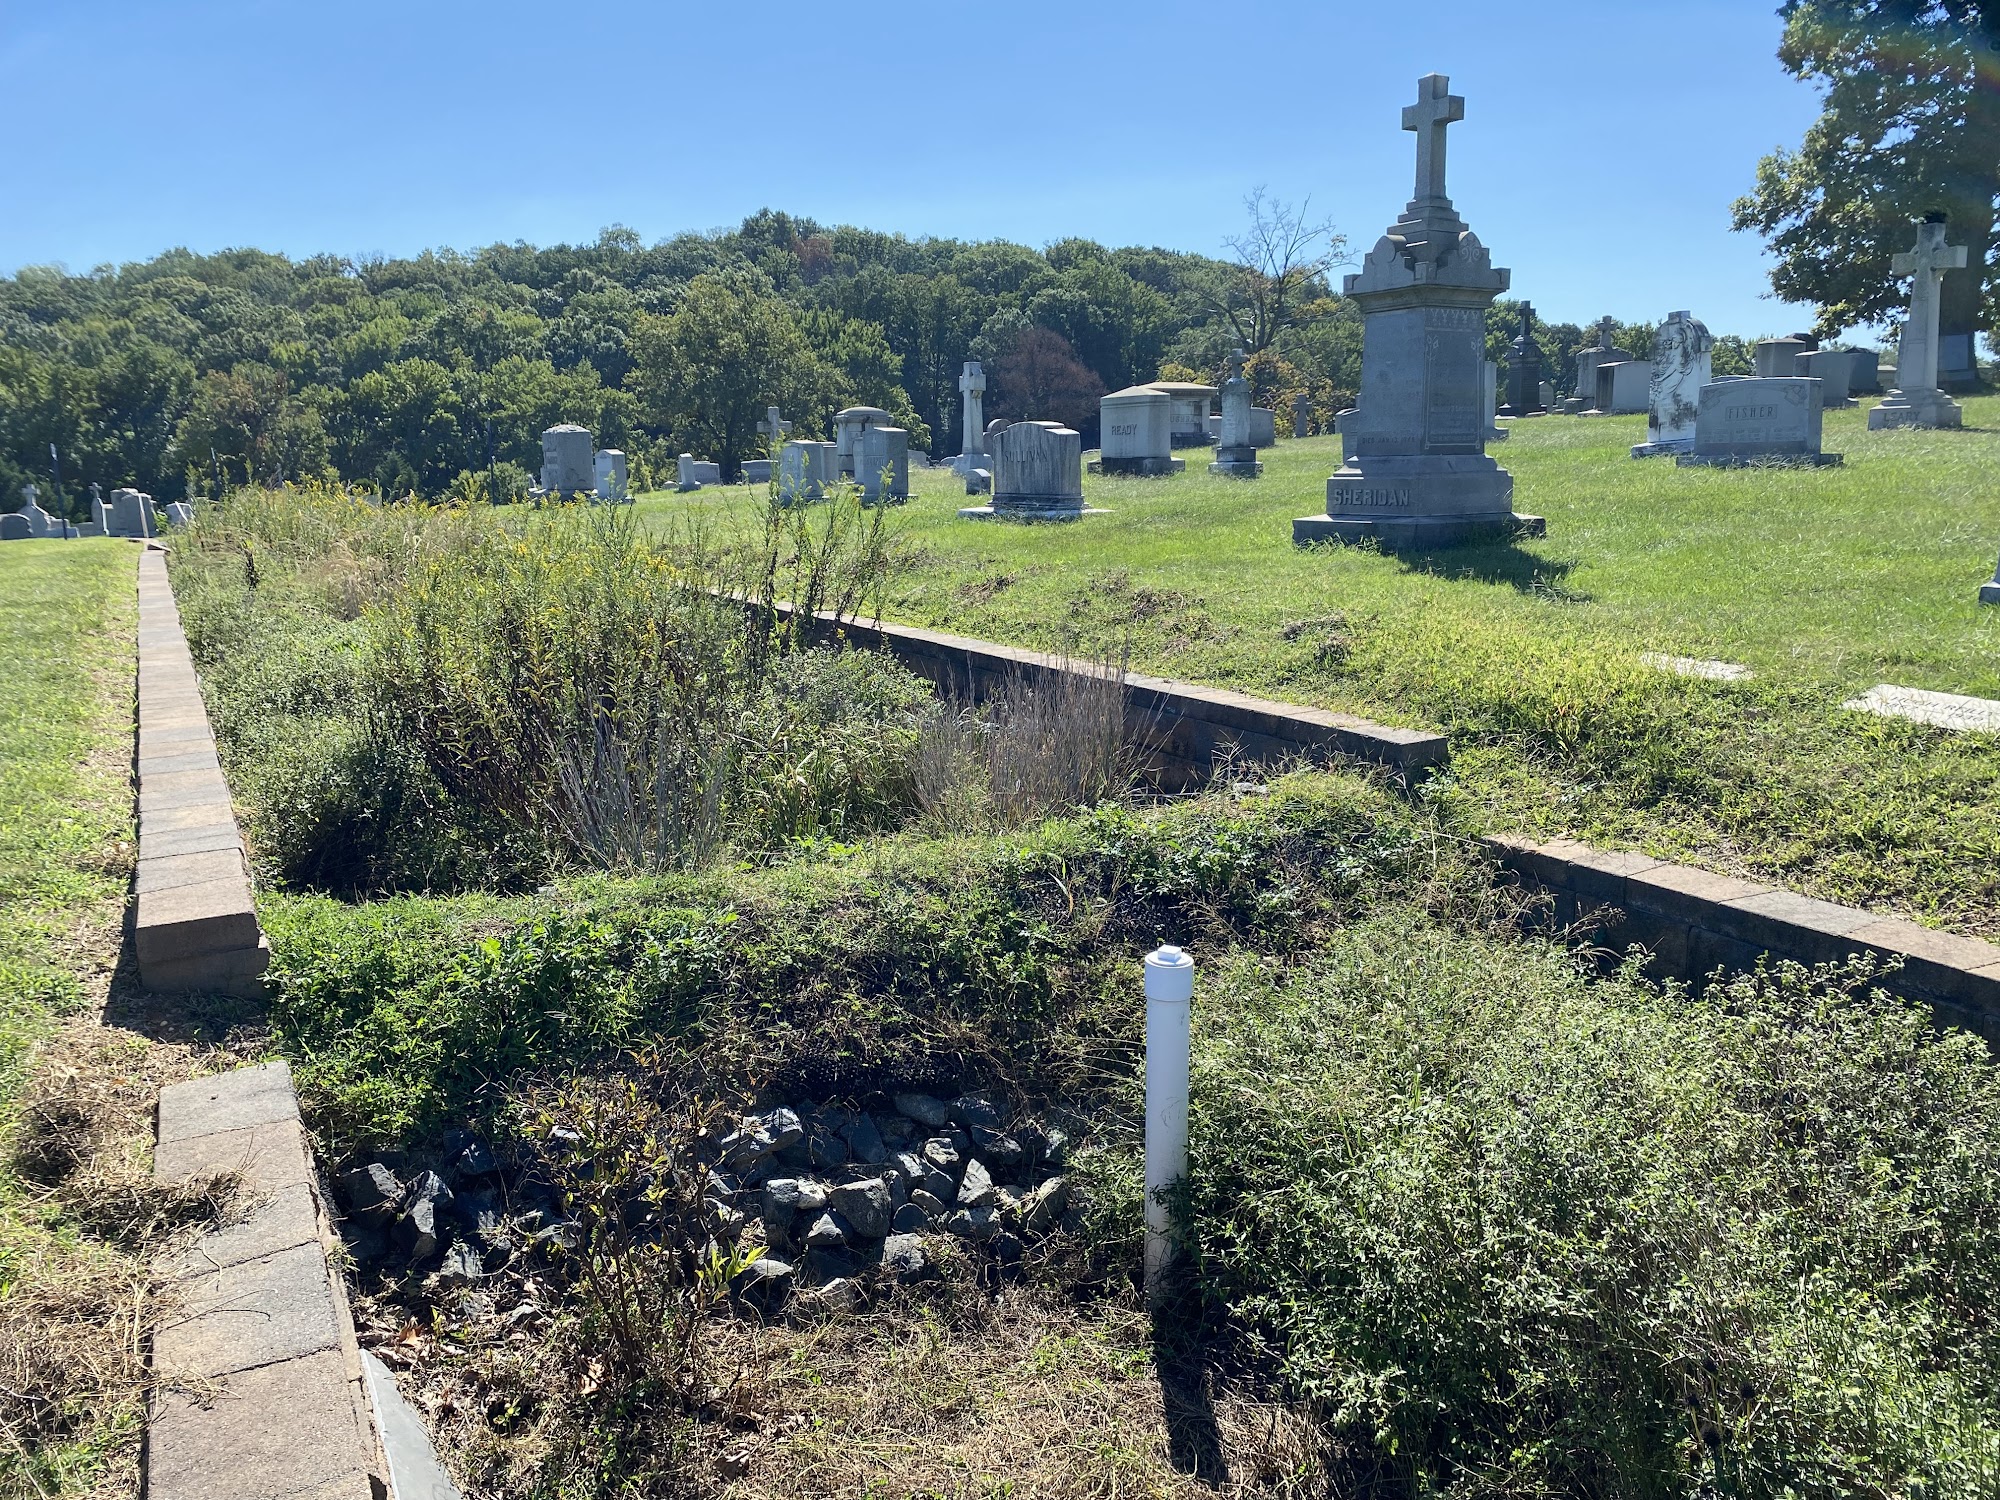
(195, 925)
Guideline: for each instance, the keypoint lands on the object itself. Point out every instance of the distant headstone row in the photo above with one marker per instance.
(129, 514)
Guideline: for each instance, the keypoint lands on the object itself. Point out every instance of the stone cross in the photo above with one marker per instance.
(972, 386)
(1917, 364)
(773, 426)
(1605, 329)
(1237, 359)
(32, 497)
(1527, 320)
(1436, 108)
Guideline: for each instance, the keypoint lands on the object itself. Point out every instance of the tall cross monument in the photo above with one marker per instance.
(1415, 471)
(1917, 401)
(972, 390)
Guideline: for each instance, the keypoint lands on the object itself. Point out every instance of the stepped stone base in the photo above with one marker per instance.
(1416, 533)
(1989, 593)
(1916, 409)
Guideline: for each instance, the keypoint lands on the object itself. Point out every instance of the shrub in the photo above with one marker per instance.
(1515, 1232)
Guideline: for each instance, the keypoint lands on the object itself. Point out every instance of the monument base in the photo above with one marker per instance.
(1236, 463)
(1150, 468)
(1574, 406)
(1667, 449)
(1415, 533)
(1760, 460)
(1916, 409)
(1989, 593)
(1191, 440)
(1030, 514)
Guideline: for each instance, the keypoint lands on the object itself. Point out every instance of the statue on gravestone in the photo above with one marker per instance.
(1235, 455)
(1682, 356)
(31, 497)
(1917, 401)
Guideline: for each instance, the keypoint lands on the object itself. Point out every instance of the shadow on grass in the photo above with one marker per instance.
(1185, 1362)
(1497, 562)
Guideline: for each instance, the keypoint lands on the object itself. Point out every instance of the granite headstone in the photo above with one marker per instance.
(1758, 421)
(1416, 471)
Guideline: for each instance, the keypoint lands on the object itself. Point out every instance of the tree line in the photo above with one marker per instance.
(436, 374)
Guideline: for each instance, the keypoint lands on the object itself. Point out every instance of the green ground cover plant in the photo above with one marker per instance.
(1824, 582)
(1498, 1225)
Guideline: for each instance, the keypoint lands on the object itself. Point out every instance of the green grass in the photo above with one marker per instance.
(1824, 582)
(72, 1408)
(67, 612)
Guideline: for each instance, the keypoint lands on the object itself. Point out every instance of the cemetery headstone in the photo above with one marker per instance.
(1682, 363)
(1622, 387)
(569, 457)
(1524, 371)
(882, 465)
(1777, 358)
(848, 425)
(1190, 411)
(609, 477)
(1866, 377)
(1758, 421)
(1235, 456)
(1587, 361)
(1263, 427)
(1037, 475)
(14, 527)
(1302, 416)
(1917, 400)
(131, 515)
(773, 428)
(1548, 395)
(40, 522)
(972, 398)
(1833, 369)
(1489, 375)
(97, 509)
(807, 472)
(684, 476)
(1417, 473)
(756, 471)
(180, 513)
(1136, 432)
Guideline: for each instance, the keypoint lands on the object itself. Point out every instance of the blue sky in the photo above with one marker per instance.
(1602, 145)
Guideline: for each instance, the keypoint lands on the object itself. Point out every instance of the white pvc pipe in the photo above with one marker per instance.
(1169, 998)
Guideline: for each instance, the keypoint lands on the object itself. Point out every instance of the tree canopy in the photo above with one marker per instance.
(1910, 125)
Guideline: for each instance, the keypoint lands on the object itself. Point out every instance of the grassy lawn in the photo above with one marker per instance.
(1823, 582)
(68, 611)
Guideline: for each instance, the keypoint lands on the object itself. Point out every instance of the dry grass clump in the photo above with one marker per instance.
(77, 1248)
(1025, 1397)
(944, 1390)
